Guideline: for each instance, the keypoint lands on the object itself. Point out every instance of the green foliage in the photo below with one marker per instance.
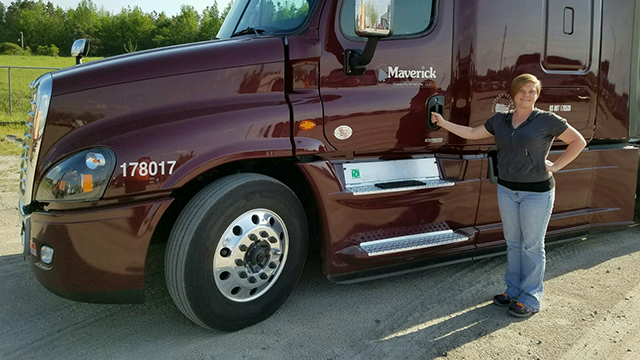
(162, 36)
(273, 12)
(186, 25)
(44, 24)
(210, 22)
(129, 47)
(290, 10)
(129, 26)
(50, 50)
(10, 49)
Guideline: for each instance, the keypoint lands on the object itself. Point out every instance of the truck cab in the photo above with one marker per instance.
(305, 127)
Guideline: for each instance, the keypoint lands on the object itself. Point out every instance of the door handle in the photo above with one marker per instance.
(434, 104)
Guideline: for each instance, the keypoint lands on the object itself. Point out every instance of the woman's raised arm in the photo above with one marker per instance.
(466, 132)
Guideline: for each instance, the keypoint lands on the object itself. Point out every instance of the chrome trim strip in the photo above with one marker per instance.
(372, 189)
(33, 135)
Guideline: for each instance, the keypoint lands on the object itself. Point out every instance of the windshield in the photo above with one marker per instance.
(265, 17)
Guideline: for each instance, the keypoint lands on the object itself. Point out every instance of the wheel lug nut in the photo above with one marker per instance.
(243, 248)
(272, 265)
(252, 280)
(264, 234)
(239, 262)
(243, 274)
(273, 240)
(264, 276)
(253, 237)
(275, 251)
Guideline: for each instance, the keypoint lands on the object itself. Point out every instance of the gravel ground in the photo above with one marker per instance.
(591, 311)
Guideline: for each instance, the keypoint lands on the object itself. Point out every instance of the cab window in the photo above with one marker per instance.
(265, 17)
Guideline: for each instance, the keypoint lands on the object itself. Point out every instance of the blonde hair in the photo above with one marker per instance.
(522, 80)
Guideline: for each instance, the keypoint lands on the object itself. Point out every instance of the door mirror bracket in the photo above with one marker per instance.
(373, 20)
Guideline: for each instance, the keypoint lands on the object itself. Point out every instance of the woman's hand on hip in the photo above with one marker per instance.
(551, 167)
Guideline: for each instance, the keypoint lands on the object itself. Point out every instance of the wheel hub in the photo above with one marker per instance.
(250, 255)
(257, 257)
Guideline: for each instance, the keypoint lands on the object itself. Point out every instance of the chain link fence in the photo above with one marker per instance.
(15, 94)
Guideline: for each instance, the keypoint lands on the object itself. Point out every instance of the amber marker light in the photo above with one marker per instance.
(36, 125)
(307, 125)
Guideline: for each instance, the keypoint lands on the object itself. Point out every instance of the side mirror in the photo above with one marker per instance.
(373, 20)
(79, 49)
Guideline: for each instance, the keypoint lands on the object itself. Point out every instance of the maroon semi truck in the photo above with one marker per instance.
(305, 126)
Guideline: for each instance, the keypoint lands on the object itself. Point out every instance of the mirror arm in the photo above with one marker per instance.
(356, 61)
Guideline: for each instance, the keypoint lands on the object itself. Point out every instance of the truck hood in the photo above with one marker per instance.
(169, 61)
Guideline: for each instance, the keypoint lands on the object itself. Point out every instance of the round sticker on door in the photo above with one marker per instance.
(502, 103)
(343, 132)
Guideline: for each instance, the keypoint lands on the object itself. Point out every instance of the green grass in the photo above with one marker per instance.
(8, 147)
(20, 80)
(41, 61)
(14, 124)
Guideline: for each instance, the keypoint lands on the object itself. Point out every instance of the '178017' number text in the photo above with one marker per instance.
(147, 168)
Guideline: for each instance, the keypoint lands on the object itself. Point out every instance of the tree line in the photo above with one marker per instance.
(47, 29)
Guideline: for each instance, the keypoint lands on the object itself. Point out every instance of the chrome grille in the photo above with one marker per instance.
(41, 89)
(28, 136)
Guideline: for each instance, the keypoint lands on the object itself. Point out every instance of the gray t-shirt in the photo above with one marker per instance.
(522, 151)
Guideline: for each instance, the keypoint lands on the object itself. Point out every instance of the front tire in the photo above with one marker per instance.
(236, 251)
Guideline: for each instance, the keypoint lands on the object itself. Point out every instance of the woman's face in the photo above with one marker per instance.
(526, 96)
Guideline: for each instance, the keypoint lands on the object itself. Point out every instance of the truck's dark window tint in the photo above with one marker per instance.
(411, 17)
(274, 16)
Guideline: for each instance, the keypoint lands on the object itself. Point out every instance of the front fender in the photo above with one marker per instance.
(197, 145)
(185, 124)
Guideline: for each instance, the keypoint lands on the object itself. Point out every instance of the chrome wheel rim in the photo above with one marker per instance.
(250, 255)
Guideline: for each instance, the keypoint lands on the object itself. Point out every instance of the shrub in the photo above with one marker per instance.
(10, 49)
(51, 50)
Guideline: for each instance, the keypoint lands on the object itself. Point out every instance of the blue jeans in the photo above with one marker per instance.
(525, 216)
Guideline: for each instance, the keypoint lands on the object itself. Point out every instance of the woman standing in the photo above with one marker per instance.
(525, 186)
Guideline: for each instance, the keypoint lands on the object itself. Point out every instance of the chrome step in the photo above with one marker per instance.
(411, 242)
(377, 188)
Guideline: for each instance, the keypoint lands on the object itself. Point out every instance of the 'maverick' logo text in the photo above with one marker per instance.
(412, 74)
(396, 75)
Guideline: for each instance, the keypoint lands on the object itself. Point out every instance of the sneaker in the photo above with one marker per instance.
(503, 300)
(520, 310)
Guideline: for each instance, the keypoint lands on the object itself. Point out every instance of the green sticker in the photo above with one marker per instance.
(355, 173)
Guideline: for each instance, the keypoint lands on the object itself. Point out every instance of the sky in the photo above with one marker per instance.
(168, 6)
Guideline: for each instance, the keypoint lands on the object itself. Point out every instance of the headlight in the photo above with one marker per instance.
(82, 177)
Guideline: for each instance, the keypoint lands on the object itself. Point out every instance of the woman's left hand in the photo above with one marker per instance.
(551, 167)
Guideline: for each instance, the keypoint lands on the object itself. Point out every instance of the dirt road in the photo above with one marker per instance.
(591, 311)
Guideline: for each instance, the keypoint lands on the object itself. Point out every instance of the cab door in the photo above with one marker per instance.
(396, 189)
(385, 110)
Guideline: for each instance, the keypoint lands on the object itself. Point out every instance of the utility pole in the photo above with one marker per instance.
(22, 40)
